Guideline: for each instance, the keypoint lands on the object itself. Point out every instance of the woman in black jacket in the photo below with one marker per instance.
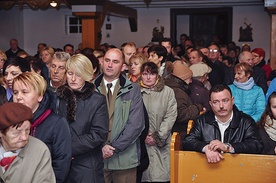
(87, 115)
(30, 89)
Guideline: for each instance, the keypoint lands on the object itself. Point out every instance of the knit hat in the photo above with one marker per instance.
(14, 113)
(199, 69)
(259, 51)
(182, 71)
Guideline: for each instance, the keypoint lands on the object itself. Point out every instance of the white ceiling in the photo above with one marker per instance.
(187, 3)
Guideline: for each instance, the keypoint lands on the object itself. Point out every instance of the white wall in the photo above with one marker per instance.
(48, 27)
(31, 27)
(147, 20)
(11, 26)
(260, 22)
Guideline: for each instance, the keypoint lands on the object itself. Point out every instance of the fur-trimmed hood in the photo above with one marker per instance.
(71, 96)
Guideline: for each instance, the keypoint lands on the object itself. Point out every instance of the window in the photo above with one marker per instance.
(73, 25)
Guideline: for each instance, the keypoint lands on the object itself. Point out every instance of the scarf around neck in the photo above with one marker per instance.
(246, 85)
(270, 127)
(39, 120)
(149, 87)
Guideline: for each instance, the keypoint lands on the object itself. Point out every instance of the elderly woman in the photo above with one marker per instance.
(161, 106)
(135, 63)
(86, 111)
(12, 68)
(22, 157)
(249, 97)
(30, 89)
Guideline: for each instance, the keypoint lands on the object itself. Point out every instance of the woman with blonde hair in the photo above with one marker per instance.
(135, 62)
(86, 112)
(3, 58)
(30, 89)
(46, 56)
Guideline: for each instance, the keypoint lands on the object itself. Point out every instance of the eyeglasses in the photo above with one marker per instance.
(214, 51)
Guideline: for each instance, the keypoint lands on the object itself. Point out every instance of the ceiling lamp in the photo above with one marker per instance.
(34, 4)
(53, 4)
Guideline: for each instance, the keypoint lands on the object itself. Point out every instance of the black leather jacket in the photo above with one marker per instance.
(242, 133)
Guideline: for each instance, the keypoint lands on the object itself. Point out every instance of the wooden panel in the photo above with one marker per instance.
(188, 166)
(234, 168)
(175, 145)
(273, 42)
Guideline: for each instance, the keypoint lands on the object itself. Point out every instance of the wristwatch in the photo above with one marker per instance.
(228, 147)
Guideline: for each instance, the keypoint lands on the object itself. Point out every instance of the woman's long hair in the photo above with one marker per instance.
(267, 112)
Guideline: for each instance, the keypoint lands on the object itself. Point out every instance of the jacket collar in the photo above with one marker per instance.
(125, 84)
(182, 84)
(210, 118)
(70, 96)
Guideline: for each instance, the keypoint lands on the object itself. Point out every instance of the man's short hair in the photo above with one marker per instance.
(218, 88)
(131, 44)
(68, 45)
(42, 44)
(61, 56)
(166, 39)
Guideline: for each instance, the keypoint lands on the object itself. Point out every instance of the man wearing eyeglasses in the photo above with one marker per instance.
(224, 129)
(217, 74)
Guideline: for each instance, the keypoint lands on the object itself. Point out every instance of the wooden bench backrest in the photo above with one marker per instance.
(188, 166)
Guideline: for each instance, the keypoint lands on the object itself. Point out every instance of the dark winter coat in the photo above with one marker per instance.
(186, 110)
(242, 133)
(86, 112)
(55, 133)
(3, 95)
(269, 144)
(199, 94)
(10, 53)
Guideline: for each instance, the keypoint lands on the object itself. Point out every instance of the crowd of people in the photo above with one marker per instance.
(107, 115)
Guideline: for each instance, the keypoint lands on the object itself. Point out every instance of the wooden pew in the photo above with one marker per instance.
(188, 166)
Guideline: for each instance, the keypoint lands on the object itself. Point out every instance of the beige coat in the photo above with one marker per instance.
(161, 106)
(32, 165)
